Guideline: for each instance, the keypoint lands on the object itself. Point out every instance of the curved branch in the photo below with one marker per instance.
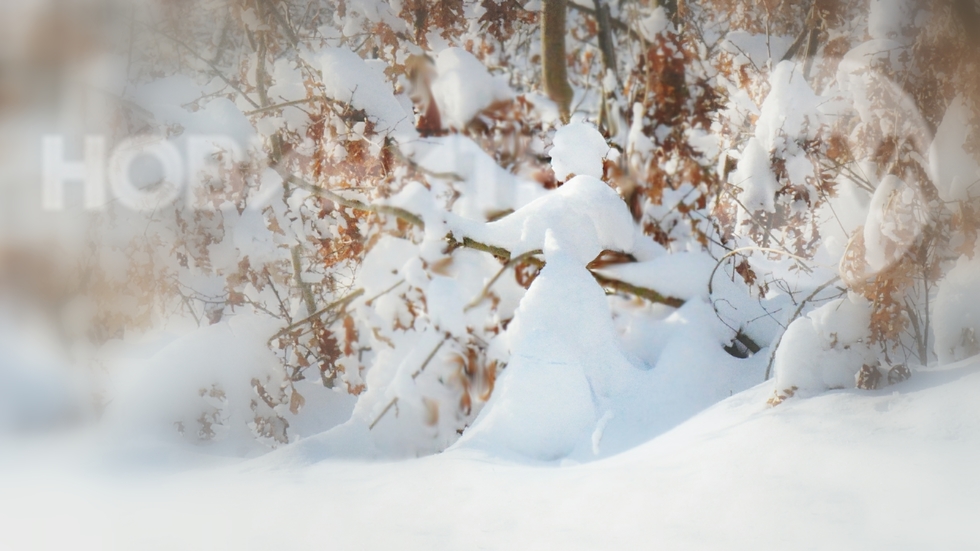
(796, 314)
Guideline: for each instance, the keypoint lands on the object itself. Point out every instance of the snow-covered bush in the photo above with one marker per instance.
(407, 235)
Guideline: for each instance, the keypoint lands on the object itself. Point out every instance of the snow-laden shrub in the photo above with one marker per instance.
(398, 227)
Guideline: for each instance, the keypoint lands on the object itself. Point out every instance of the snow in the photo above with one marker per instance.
(574, 395)
(790, 110)
(579, 151)
(481, 403)
(487, 188)
(790, 114)
(953, 170)
(585, 212)
(756, 49)
(682, 275)
(173, 386)
(754, 175)
(545, 406)
(876, 239)
(825, 349)
(956, 314)
(348, 78)
(842, 470)
(652, 25)
(888, 19)
(464, 87)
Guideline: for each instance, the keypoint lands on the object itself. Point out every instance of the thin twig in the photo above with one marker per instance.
(279, 106)
(340, 303)
(209, 63)
(486, 289)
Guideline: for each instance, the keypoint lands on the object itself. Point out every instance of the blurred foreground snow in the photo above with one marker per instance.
(844, 470)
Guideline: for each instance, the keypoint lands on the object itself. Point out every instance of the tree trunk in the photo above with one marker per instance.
(553, 66)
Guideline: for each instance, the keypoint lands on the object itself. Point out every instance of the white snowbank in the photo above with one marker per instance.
(845, 470)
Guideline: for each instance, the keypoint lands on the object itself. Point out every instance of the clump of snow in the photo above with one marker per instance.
(486, 188)
(654, 24)
(682, 275)
(585, 212)
(579, 151)
(756, 49)
(464, 87)
(754, 175)
(825, 349)
(639, 146)
(791, 112)
(348, 78)
(954, 170)
(895, 220)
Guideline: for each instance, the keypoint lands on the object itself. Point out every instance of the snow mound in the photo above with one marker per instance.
(826, 349)
(565, 361)
(573, 392)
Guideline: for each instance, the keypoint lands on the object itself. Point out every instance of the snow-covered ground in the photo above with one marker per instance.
(893, 469)
(404, 296)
